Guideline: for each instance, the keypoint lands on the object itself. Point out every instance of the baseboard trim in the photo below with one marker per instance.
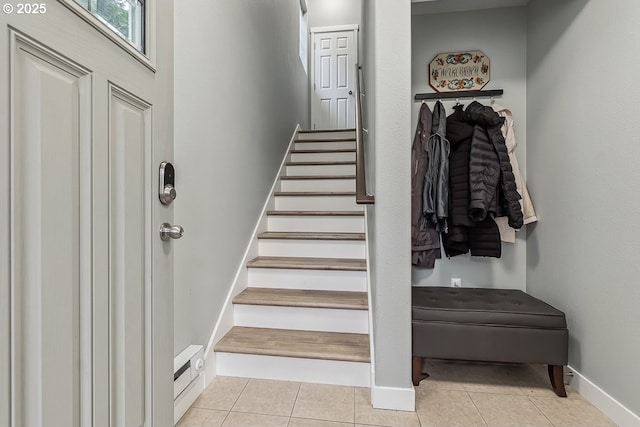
(615, 410)
(398, 399)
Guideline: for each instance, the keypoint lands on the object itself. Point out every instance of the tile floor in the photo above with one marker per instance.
(455, 394)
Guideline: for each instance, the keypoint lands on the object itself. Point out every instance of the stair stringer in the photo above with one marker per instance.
(367, 254)
(225, 320)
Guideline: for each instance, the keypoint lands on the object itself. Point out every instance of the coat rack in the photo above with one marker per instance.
(459, 95)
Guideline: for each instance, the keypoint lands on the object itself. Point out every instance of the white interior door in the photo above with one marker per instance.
(86, 312)
(334, 59)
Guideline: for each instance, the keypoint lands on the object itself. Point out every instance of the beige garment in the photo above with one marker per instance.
(508, 234)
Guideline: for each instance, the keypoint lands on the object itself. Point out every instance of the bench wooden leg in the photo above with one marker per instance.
(556, 375)
(417, 371)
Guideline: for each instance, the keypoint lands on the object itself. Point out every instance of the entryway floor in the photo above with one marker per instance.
(455, 394)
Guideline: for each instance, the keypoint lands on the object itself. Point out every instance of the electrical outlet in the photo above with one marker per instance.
(456, 282)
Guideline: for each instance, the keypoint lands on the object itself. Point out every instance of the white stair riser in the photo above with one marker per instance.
(338, 145)
(325, 280)
(327, 135)
(336, 224)
(301, 318)
(318, 185)
(320, 170)
(317, 203)
(323, 157)
(312, 248)
(293, 369)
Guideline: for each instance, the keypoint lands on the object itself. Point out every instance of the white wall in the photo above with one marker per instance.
(501, 35)
(388, 75)
(584, 169)
(240, 90)
(325, 13)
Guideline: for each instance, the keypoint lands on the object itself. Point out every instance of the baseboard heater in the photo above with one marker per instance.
(187, 366)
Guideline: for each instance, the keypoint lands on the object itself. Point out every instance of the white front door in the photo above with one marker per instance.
(86, 284)
(333, 98)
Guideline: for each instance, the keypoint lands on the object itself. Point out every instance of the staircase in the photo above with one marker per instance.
(304, 315)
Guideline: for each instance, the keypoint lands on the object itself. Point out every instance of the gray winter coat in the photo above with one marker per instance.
(425, 240)
(435, 197)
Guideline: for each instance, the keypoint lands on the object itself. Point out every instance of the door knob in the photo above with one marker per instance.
(168, 231)
(350, 92)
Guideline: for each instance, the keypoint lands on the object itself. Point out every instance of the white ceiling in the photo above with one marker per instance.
(423, 7)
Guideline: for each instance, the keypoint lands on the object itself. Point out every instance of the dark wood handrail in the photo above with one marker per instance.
(362, 197)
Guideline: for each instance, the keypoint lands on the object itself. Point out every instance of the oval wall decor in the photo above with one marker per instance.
(459, 71)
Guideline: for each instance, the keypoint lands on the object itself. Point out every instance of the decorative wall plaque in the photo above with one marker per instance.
(459, 71)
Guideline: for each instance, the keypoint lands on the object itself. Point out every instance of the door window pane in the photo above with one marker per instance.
(125, 17)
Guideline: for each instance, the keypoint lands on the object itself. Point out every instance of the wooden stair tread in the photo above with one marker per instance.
(313, 193)
(304, 263)
(321, 163)
(294, 177)
(316, 213)
(287, 235)
(325, 130)
(341, 150)
(343, 139)
(290, 343)
(303, 298)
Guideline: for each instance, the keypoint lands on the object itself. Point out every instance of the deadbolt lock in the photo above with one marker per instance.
(166, 188)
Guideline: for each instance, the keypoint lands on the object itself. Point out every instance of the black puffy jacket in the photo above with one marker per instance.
(490, 167)
(482, 238)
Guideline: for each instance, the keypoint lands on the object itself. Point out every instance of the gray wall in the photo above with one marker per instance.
(584, 169)
(240, 90)
(325, 13)
(501, 35)
(387, 74)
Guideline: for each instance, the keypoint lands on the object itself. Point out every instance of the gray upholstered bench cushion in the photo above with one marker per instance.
(492, 325)
(484, 307)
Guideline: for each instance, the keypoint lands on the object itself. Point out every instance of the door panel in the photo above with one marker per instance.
(87, 339)
(335, 56)
(130, 278)
(48, 212)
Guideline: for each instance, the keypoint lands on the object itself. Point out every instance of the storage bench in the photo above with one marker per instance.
(490, 325)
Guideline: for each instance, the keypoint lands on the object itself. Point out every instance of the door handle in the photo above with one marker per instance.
(350, 92)
(168, 231)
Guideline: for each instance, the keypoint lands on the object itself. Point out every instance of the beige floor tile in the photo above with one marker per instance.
(222, 393)
(202, 418)
(499, 378)
(446, 408)
(548, 393)
(268, 397)
(501, 410)
(303, 422)
(443, 375)
(572, 412)
(479, 377)
(366, 414)
(325, 402)
(239, 419)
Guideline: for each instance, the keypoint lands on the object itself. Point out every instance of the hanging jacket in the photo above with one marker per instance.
(482, 238)
(425, 240)
(489, 167)
(436, 187)
(529, 214)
